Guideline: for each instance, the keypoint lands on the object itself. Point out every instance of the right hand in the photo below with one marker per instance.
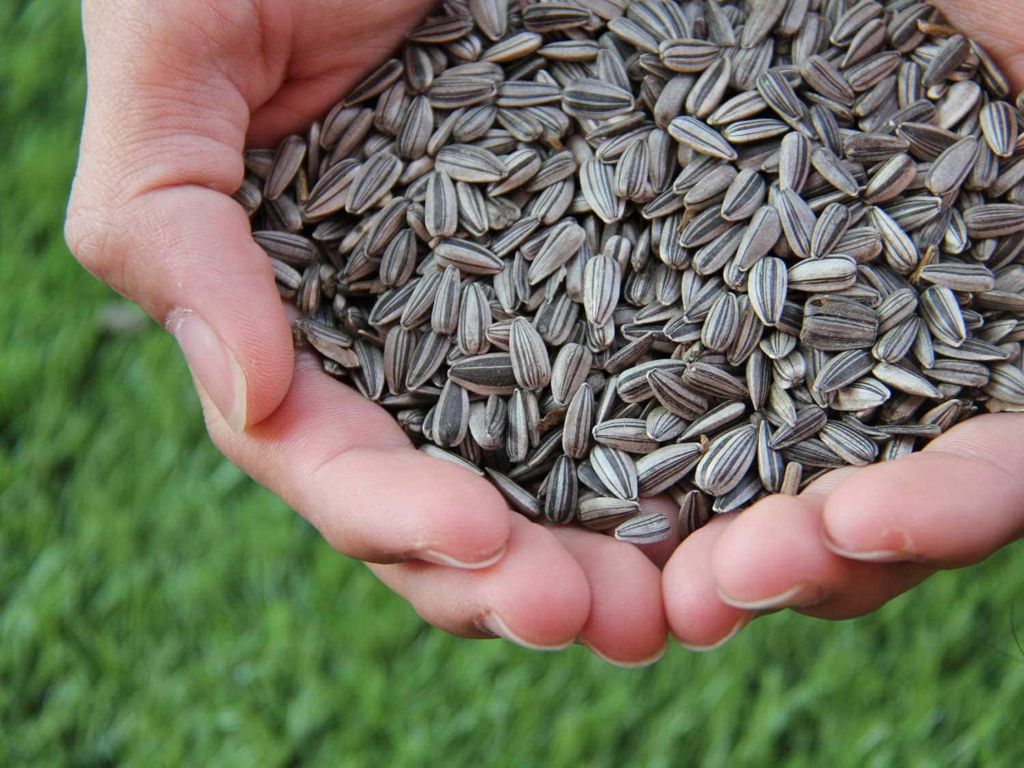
(177, 91)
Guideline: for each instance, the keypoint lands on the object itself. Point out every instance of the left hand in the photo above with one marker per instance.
(857, 538)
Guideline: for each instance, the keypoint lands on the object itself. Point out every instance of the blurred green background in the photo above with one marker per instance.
(158, 608)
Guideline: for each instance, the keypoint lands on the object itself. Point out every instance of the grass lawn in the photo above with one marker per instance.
(158, 608)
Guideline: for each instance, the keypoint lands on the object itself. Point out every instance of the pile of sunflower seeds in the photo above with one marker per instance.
(607, 249)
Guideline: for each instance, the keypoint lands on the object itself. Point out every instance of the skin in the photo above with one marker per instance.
(177, 91)
(856, 539)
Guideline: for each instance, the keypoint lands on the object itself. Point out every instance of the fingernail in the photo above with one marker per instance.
(802, 594)
(439, 558)
(892, 545)
(744, 620)
(629, 664)
(494, 624)
(213, 366)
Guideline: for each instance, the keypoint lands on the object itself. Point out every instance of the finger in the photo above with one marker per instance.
(319, 70)
(697, 616)
(626, 625)
(998, 26)
(194, 267)
(860, 594)
(951, 505)
(536, 596)
(343, 463)
(864, 591)
(774, 557)
(161, 149)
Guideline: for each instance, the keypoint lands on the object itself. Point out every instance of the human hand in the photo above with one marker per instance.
(176, 92)
(857, 538)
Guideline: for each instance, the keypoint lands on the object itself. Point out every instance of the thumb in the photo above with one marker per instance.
(998, 25)
(150, 212)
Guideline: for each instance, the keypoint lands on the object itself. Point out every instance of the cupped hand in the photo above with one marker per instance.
(857, 538)
(177, 91)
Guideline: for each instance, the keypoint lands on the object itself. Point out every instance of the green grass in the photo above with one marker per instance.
(158, 608)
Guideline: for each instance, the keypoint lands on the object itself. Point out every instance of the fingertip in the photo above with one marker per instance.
(267, 357)
(939, 506)
(440, 558)
(552, 614)
(536, 596)
(697, 616)
(186, 255)
(714, 644)
(246, 375)
(239, 298)
(626, 624)
(639, 663)
(493, 624)
(755, 561)
(874, 516)
(853, 511)
(432, 509)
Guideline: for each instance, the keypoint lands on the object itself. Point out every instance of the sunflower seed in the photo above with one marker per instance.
(578, 420)
(700, 137)
(560, 246)
(291, 249)
(591, 99)
(833, 170)
(664, 467)
(529, 355)
(518, 497)
(996, 220)
(780, 96)
(745, 196)
(603, 513)
(616, 471)
(829, 274)
(596, 182)
(890, 180)
(962, 373)
(487, 374)
(767, 286)
(969, 278)
(569, 372)
(1000, 127)
(941, 312)
(789, 229)
(727, 460)
(770, 464)
(644, 529)
(951, 168)
(1006, 383)
(287, 161)
(562, 491)
(554, 17)
(904, 380)
(694, 512)
(797, 220)
(469, 257)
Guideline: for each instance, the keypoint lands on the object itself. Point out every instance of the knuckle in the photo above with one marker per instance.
(91, 236)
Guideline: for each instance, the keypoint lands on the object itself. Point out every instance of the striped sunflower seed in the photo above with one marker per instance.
(644, 529)
(603, 513)
(727, 460)
(615, 470)
(592, 247)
